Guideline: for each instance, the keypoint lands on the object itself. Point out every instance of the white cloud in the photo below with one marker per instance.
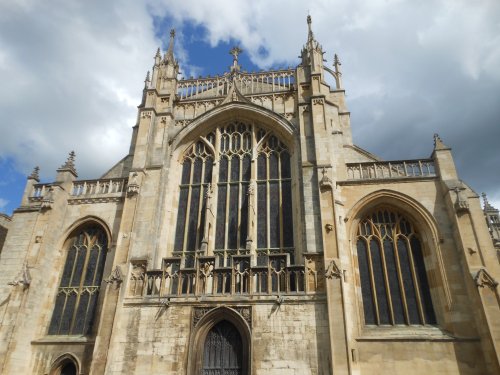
(72, 72)
(3, 203)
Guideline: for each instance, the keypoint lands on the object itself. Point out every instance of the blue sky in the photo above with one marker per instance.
(72, 74)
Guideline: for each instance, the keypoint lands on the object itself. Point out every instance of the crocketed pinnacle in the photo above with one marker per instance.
(169, 55)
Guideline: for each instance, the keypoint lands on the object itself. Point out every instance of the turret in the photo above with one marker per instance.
(312, 52)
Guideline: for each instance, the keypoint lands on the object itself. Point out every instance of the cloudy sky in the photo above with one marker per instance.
(72, 73)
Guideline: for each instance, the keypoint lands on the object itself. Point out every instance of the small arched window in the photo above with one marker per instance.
(80, 282)
(250, 183)
(394, 281)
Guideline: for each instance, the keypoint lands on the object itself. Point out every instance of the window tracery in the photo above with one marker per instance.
(251, 185)
(394, 285)
(80, 283)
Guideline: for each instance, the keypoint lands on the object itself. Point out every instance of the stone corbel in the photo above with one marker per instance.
(482, 278)
(325, 181)
(133, 186)
(461, 204)
(23, 277)
(333, 270)
(115, 278)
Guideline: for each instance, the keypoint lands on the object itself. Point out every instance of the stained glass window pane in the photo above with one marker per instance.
(67, 316)
(57, 314)
(235, 168)
(378, 275)
(91, 267)
(80, 262)
(221, 214)
(181, 219)
(245, 173)
(274, 214)
(411, 298)
(392, 274)
(366, 289)
(244, 216)
(425, 293)
(261, 167)
(68, 266)
(186, 171)
(262, 215)
(223, 167)
(273, 165)
(285, 165)
(193, 218)
(208, 170)
(232, 230)
(81, 312)
(287, 213)
(198, 164)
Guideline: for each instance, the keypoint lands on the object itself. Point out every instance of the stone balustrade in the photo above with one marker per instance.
(276, 277)
(98, 187)
(391, 169)
(246, 83)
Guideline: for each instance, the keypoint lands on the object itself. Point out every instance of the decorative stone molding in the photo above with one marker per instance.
(244, 311)
(133, 186)
(318, 101)
(115, 278)
(146, 114)
(482, 278)
(138, 270)
(48, 199)
(199, 313)
(23, 277)
(333, 270)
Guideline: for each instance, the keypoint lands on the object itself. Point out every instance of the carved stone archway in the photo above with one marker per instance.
(204, 321)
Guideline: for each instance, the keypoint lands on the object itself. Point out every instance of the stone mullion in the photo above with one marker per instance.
(280, 192)
(380, 241)
(372, 279)
(240, 194)
(416, 285)
(201, 198)
(188, 208)
(400, 275)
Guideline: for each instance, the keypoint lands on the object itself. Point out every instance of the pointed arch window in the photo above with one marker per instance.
(248, 192)
(394, 283)
(80, 282)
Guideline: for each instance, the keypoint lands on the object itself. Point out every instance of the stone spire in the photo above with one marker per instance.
(157, 57)
(147, 80)
(69, 164)
(312, 52)
(169, 55)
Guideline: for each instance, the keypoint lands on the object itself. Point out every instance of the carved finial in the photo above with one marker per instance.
(147, 80)
(235, 51)
(487, 205)
(336, 60)
(70, 161)
(35, 174)
(438, 143)
(158, 54)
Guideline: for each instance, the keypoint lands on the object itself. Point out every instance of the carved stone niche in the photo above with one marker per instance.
(315, 272)
(137, 277)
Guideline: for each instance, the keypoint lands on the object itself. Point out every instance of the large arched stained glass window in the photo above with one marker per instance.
(80, 282)
(392, 270)
(248, 189)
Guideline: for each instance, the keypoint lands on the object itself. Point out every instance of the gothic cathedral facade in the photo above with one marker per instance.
(245, 234)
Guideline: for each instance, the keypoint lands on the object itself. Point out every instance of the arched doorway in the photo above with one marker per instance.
(223, 350)
(68, 369)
